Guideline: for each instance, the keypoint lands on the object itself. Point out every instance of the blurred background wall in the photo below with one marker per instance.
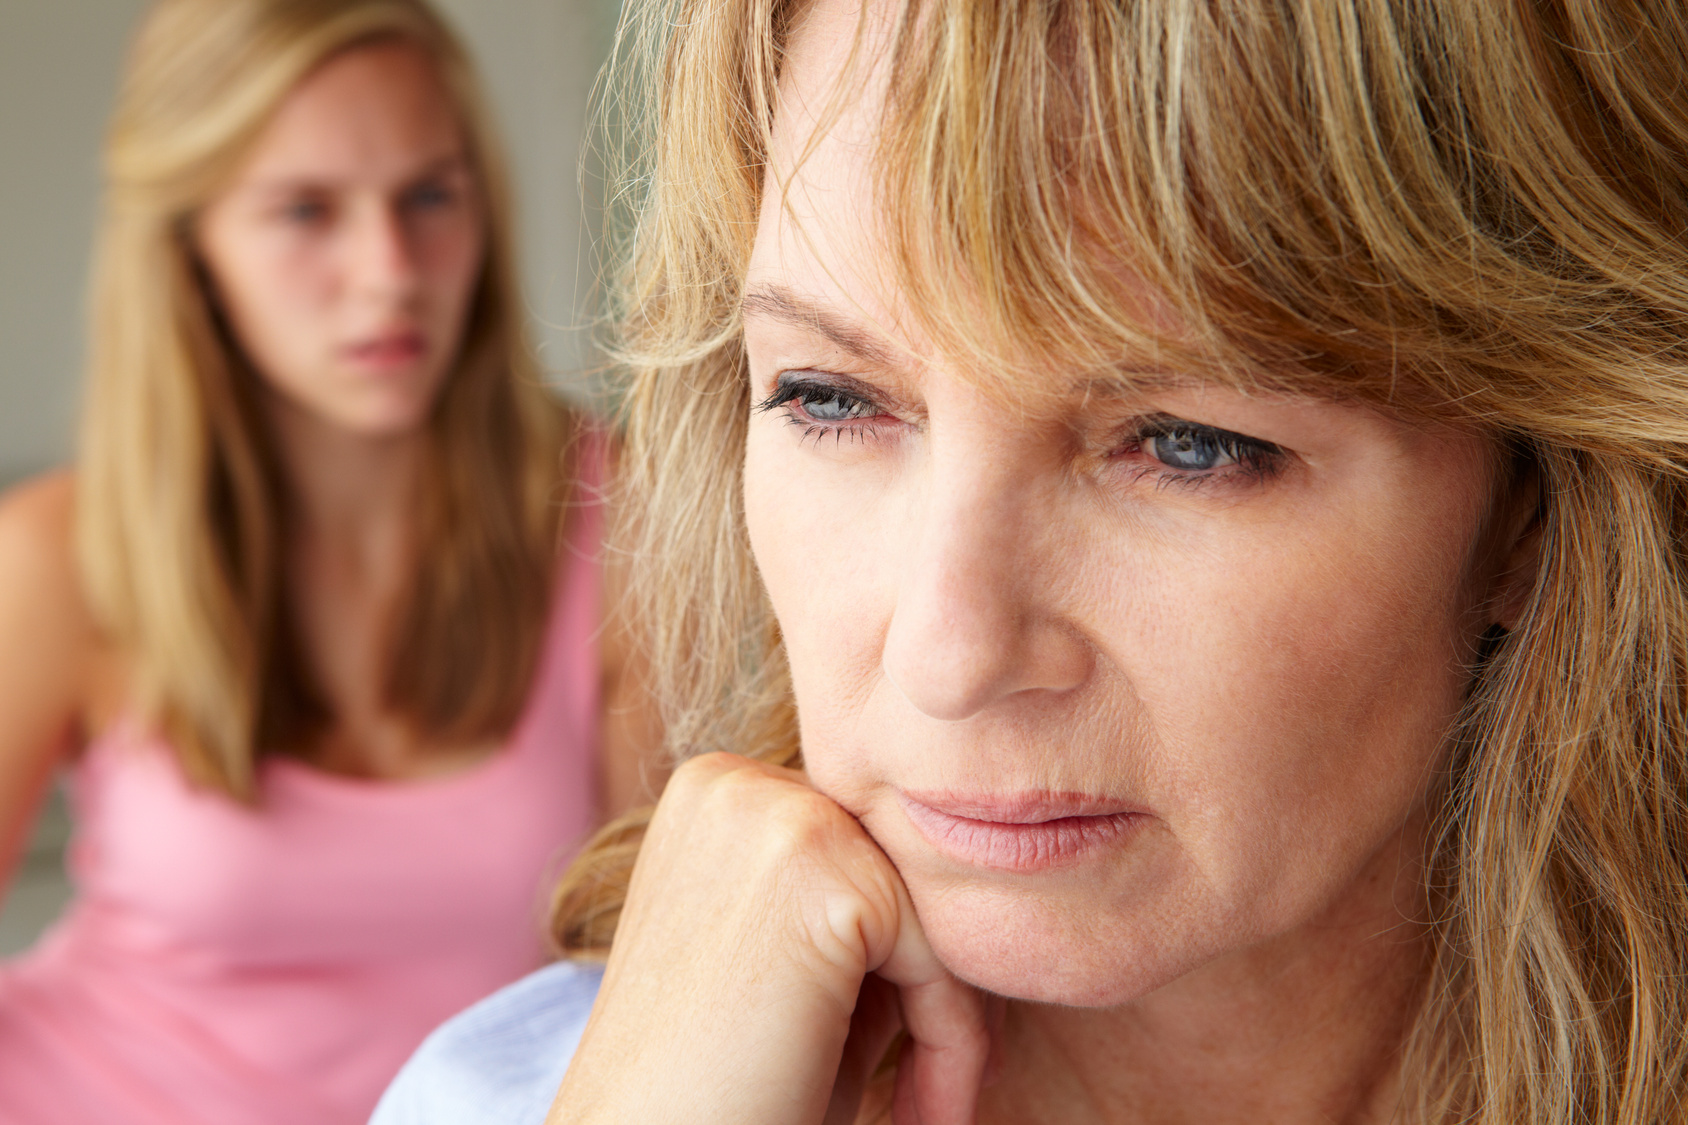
(58, 73)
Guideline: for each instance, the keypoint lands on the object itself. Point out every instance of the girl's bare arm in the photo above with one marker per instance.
(48, 647)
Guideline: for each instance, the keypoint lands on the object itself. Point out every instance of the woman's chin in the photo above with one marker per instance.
(1025, 948)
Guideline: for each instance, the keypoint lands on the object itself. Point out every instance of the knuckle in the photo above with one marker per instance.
(696, 775)
(712, 764)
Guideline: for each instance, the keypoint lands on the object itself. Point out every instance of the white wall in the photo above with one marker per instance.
(58, 72)
(58, 68)
(540, 59)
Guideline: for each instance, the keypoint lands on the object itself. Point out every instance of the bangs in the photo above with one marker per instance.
(1427, 207)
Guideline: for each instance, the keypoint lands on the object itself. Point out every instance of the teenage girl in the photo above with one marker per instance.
(313, 626)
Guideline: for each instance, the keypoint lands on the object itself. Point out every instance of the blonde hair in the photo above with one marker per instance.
(180, 501)
(1457, 211)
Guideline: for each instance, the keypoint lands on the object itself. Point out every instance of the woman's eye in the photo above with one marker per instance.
(1196, 452)
(1190, 448)
(808, 400)
(831, 406)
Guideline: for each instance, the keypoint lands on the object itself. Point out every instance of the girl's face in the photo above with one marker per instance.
(1122, 687)
(345, 251)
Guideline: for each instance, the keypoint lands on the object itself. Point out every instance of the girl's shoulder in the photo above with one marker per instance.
(59, 675)
(41, 590)
(500, 1060)
(36, 525)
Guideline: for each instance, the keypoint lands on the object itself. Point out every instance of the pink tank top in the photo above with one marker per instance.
(224, 965)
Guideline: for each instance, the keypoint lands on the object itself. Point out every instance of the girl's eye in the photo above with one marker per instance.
(428, 195)
(305, 212)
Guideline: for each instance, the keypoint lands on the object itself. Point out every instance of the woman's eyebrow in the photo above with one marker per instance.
(779, 303)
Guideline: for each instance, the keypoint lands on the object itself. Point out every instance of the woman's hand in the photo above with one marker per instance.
(735, 989)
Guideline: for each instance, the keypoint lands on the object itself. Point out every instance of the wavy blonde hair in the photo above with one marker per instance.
(1467, 212)
(181, 504)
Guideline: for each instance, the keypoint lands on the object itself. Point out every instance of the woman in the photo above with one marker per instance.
(313, 623)
(1216, 475)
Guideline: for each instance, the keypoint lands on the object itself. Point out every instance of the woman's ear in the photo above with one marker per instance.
(1517, 538)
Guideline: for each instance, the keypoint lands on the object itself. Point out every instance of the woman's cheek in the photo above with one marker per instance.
(1300, 726)
(792, 538)
(825, 548)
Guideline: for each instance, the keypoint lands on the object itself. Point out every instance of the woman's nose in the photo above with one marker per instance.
(978, 617)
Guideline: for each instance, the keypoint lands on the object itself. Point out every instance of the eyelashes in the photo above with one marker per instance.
(1196, 453)
(821, 408)
(1170, 451)
(819, 401)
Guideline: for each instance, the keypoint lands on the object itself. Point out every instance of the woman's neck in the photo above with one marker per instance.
(1307, 1026)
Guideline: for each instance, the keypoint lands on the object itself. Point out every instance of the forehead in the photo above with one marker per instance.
(372, 112)
(819, 232)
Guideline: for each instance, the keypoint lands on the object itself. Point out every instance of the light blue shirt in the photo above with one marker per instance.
(501, 1061)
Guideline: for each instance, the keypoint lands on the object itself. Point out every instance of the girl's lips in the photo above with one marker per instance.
(391, 350)
(1024, 832)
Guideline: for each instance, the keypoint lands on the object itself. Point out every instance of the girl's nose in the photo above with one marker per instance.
(382, 258)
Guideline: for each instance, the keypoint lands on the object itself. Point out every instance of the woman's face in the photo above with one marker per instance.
(346, 249)
(1121, 687)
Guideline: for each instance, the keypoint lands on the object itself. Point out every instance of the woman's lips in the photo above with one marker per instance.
(1023, 832)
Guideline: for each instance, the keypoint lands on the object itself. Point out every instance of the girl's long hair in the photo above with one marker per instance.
(181, 506)
(1458, 211)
